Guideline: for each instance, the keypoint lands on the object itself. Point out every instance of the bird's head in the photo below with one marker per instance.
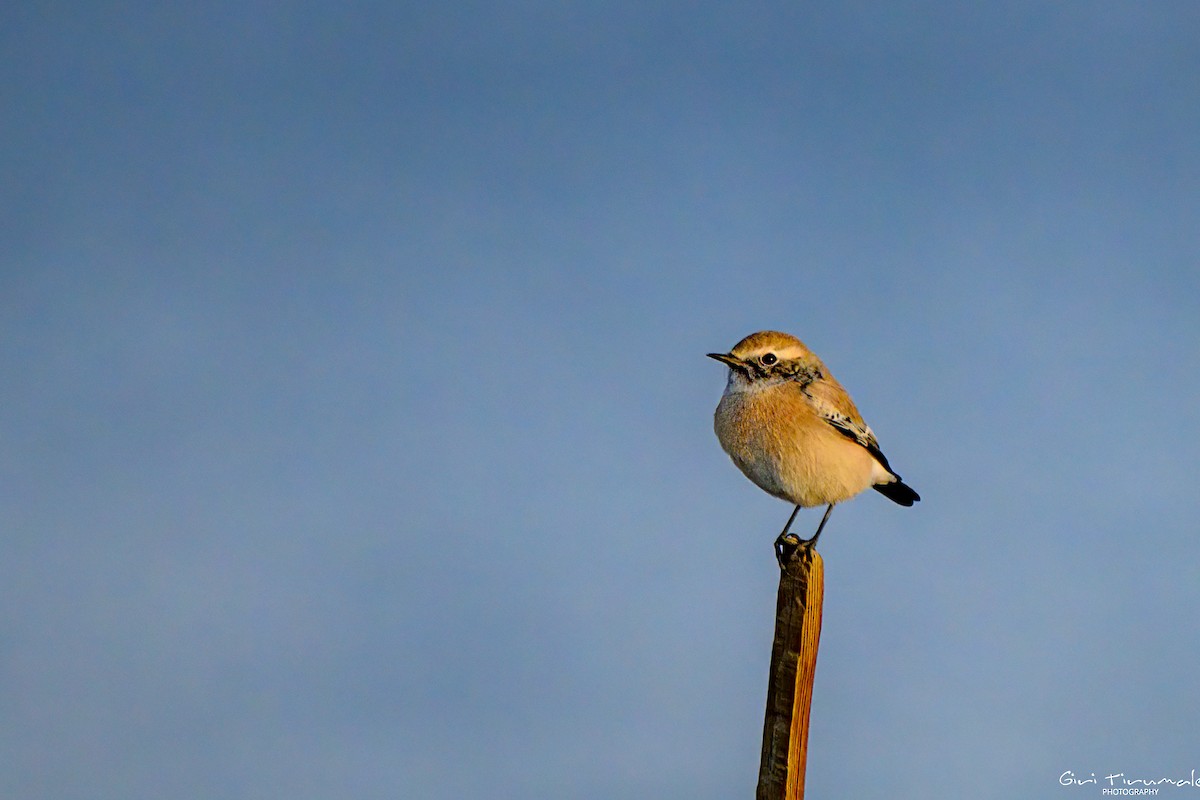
(766, 358)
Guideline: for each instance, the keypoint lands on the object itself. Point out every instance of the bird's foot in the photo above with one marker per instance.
(788, 544)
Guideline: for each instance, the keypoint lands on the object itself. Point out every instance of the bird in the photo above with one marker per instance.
(792, 429)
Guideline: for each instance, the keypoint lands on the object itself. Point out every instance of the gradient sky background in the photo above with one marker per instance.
(355, 425)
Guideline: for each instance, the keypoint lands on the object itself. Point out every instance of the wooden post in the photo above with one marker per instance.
(793, 665)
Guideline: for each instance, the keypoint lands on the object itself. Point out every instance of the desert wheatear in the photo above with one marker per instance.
(792, 429)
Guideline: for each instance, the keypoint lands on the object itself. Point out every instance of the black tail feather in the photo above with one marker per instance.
(898, 492)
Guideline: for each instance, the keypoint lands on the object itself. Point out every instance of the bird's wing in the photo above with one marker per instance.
(833, 405)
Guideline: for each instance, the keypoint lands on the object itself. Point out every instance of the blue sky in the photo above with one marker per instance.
(357, 427)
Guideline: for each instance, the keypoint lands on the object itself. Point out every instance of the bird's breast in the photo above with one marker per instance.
(778, 441)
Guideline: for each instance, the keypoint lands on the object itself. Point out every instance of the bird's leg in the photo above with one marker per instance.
(813, 541)
(783, 535)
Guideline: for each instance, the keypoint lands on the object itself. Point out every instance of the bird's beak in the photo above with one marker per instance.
(729, 359)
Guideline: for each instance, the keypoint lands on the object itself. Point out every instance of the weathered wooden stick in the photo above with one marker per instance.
(793, 665)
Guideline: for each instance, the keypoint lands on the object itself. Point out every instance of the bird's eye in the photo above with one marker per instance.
(769, 359)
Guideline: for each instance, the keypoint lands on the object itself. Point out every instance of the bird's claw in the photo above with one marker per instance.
(787, 544)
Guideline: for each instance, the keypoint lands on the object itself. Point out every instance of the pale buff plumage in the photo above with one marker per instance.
(794, 431)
